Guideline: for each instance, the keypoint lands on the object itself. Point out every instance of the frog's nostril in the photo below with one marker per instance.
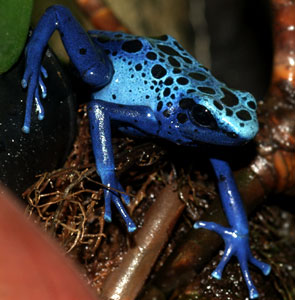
(231, 135)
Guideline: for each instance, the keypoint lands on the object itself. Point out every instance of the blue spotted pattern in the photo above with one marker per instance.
(158, 73)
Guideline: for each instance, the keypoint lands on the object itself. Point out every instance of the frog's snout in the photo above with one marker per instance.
(244, 131)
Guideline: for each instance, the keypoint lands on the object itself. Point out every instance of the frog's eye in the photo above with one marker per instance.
(201, 116)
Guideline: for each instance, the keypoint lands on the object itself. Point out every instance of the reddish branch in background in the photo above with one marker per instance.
(101, 16)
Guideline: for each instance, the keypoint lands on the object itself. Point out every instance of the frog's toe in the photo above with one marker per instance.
(228, 253)
(129, 223)
(265, 268)
(39, 106)
(24, 83)
(107, 217)
(131, 227)
(43, 88)
(217, 274)
(107, 206)
(243, 260)
(26, 78)
(253, 293)
(44, 72)
(221, 230)
(26, 129)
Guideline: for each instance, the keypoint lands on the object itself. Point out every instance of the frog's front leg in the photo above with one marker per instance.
(90, 60)
(236, 237)
(101, 114)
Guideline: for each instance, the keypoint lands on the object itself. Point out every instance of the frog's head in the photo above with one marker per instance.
(217, 116)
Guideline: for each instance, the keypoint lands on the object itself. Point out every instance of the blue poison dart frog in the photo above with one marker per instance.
(151, 87)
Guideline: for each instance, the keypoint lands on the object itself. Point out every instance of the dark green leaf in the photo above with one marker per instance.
(15, 18)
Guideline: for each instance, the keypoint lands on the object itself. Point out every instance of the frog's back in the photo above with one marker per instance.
(147, 70)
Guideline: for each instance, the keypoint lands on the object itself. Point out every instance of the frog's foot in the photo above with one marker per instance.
(32, 78)
(238, 245)
(113, 195)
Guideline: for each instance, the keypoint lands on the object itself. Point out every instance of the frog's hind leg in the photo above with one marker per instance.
(236, 237)
(92, 63)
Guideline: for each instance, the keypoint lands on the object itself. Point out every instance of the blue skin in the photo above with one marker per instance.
(151, 86)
